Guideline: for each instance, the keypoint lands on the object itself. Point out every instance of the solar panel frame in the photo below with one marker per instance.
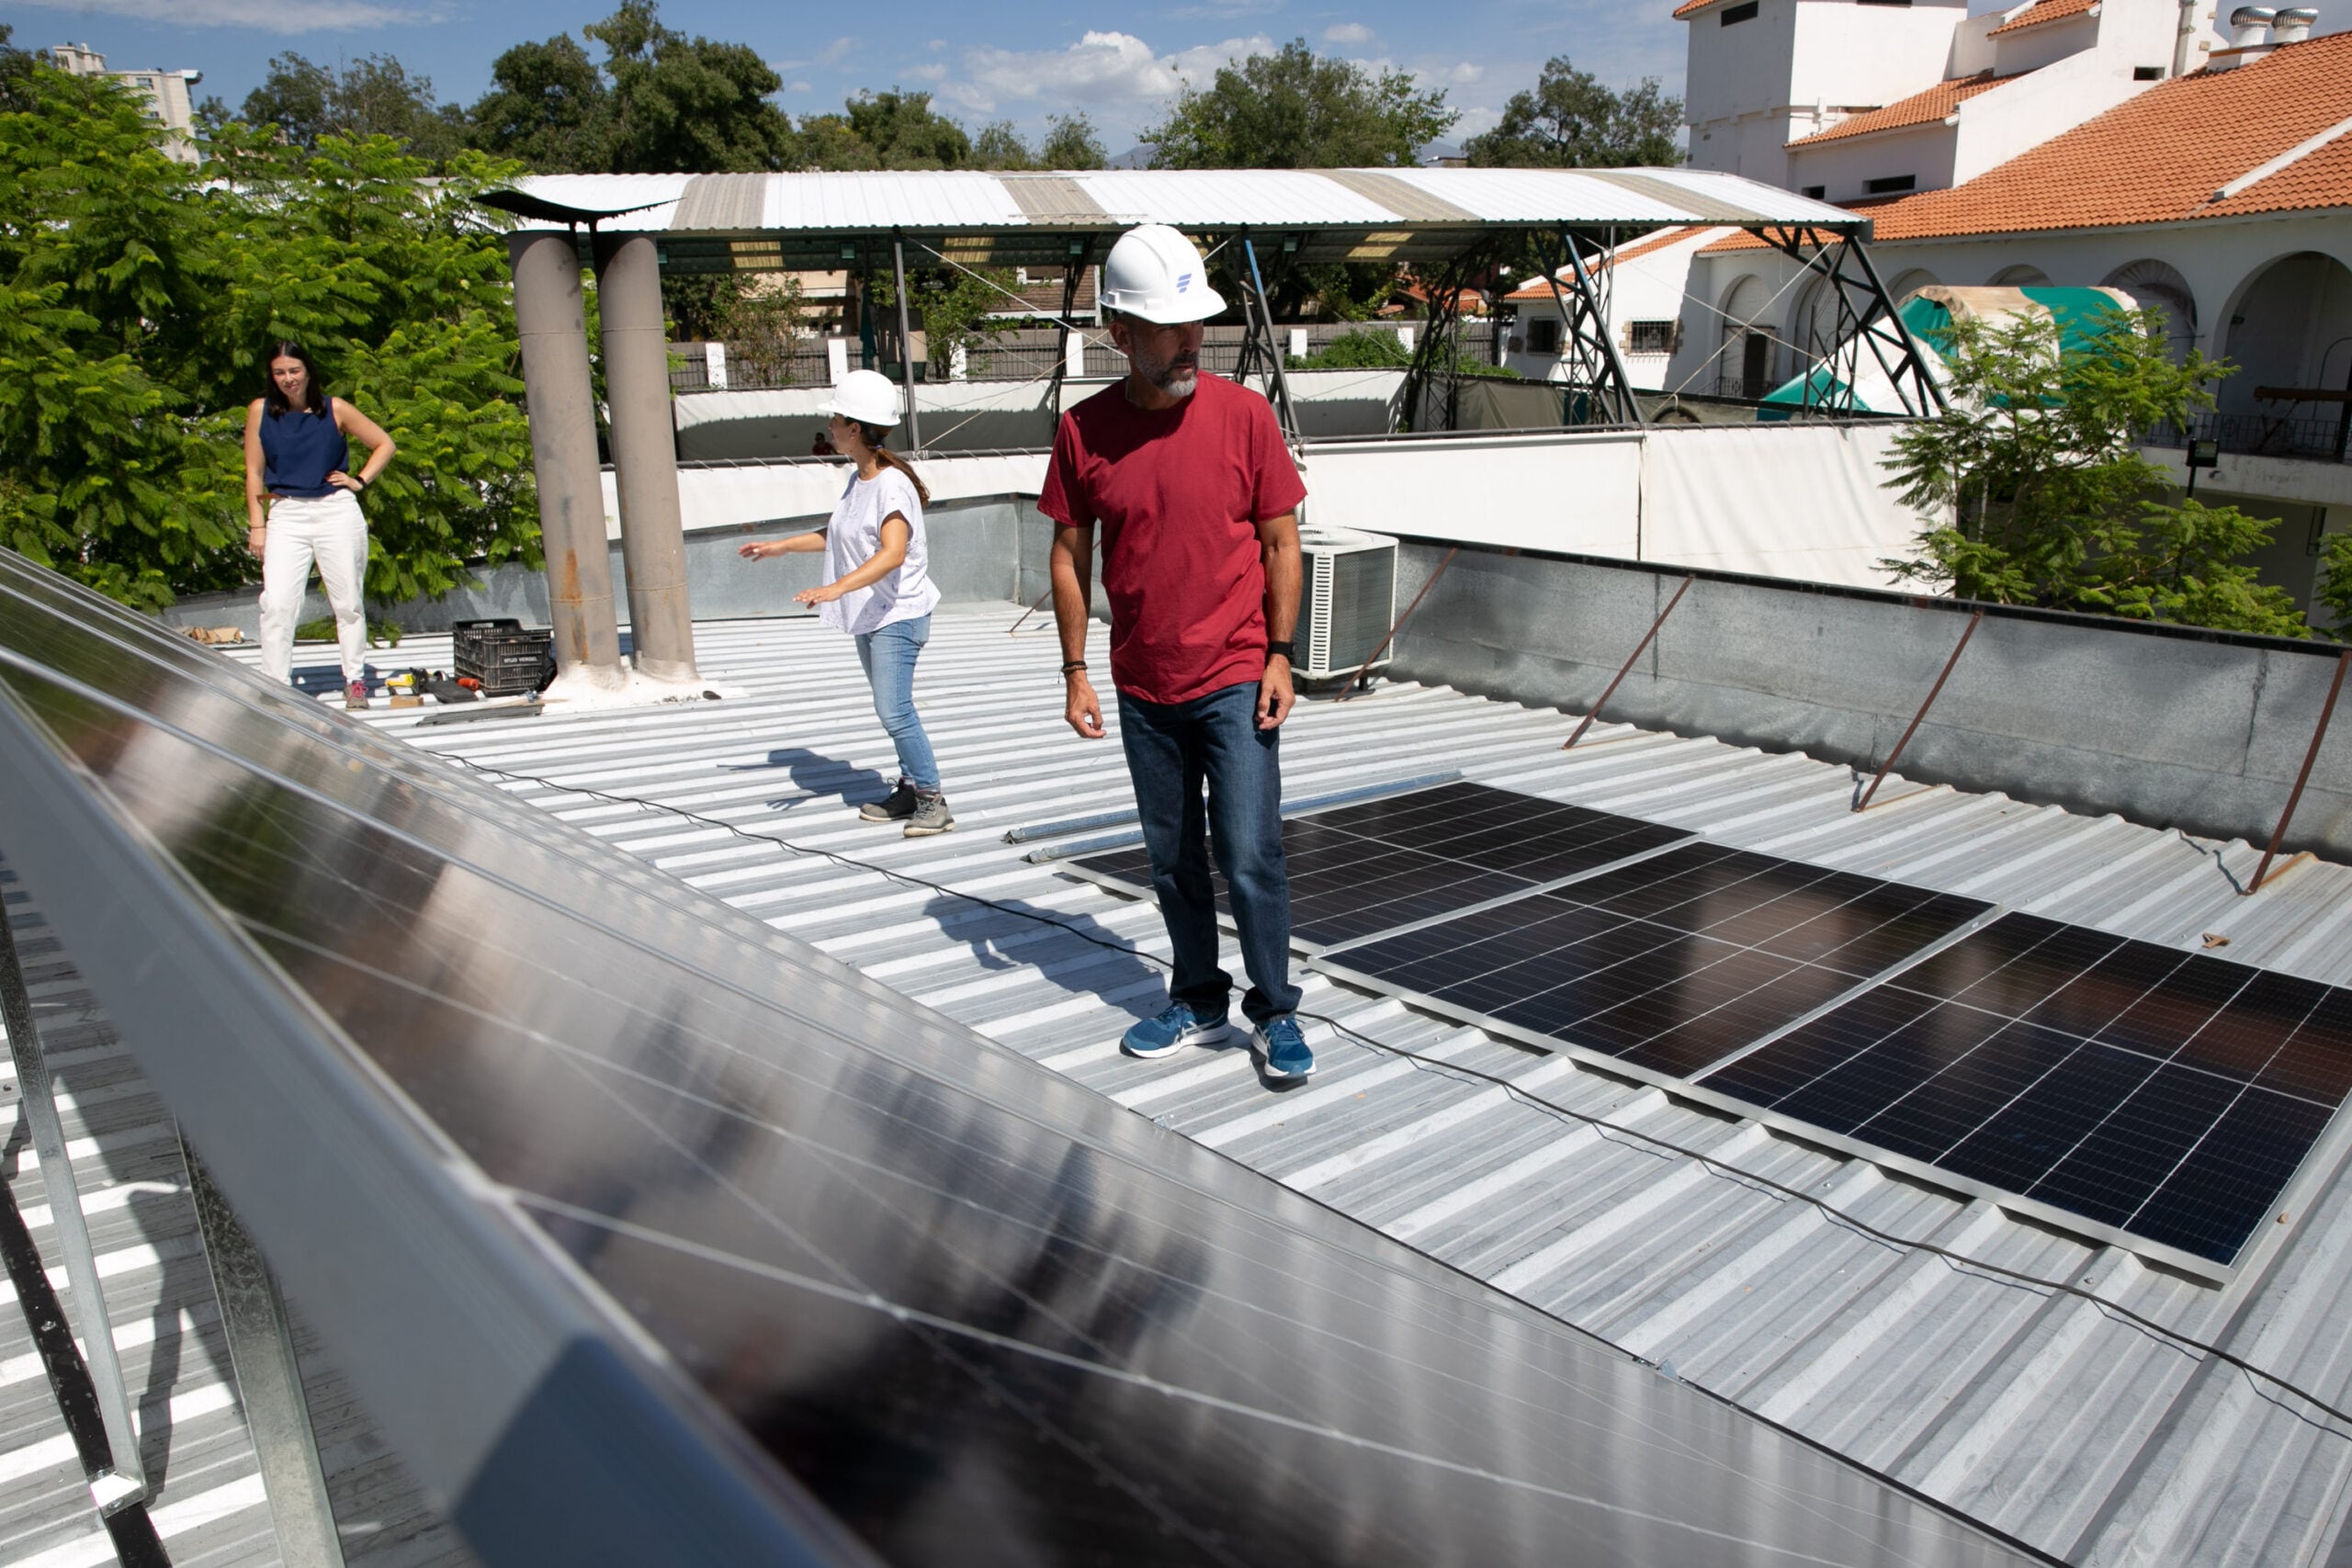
(1499, 826)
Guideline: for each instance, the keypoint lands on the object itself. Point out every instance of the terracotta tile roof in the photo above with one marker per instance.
(1691, 9)
(2161, 156)
(1920, 108)
(2042, 11)
(1741, 240)
(1539, 289)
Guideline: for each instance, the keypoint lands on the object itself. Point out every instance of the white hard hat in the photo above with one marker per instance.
(1155, 273)
(867, 397)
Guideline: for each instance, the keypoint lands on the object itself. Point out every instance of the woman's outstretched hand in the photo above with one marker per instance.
(824, 596)
(756, 550)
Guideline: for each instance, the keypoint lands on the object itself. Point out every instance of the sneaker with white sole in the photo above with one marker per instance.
(355, 696)
(1175, 1028)
(897, 806)
(931, 816)
(1281, 1049)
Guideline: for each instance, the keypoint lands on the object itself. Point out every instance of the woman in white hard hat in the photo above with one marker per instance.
(880, 593)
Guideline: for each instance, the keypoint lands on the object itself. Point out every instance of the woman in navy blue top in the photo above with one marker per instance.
(302, 507)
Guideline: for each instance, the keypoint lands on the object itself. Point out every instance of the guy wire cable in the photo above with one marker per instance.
(1959, 1262)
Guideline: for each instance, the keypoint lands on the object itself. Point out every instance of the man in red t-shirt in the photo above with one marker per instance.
(1187, 476)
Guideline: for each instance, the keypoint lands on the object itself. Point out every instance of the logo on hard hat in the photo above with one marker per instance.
(1183, 281)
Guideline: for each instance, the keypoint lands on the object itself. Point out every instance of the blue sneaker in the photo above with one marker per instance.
(1282, 1050)
(1173, 1030)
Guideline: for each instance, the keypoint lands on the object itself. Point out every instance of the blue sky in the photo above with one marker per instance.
(1018, 62)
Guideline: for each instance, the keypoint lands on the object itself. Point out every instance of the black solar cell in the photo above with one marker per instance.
(1670, 965)
(1379, 865)
(2170, 1095)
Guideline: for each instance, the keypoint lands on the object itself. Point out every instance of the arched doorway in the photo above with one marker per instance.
(1744, 364)
(2020, 276)
(1910, 283)
(2158, 285)
(2289, 333)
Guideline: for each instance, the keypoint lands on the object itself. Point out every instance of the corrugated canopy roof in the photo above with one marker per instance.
(807, 220)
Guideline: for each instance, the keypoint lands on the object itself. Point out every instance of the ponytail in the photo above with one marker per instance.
(890, 459)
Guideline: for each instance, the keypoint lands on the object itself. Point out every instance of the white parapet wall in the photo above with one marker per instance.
(1796, 500)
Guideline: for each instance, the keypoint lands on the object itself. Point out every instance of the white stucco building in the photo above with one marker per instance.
(2223, 195)
(166, 94)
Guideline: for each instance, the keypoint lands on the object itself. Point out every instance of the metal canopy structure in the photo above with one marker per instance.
(651, 1235)
(1449, 223)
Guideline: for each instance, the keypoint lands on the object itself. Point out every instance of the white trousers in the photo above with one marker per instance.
(331, 531)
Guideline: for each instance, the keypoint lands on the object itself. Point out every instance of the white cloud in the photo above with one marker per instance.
(1102, 69)
(1347, 32)
(934, 74)
(799, 87)
(263, 15)
(832, 53)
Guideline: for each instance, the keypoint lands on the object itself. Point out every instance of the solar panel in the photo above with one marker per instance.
(1667, 965)
(2164, 1097)
(652, 1235)
(1377, 865)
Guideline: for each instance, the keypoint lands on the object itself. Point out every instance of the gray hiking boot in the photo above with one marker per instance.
(931, 816)
(897, 806)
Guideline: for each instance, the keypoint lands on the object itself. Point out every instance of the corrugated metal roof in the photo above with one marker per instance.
(2041, 1412)
(975, 202)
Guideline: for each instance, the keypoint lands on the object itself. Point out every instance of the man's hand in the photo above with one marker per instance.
(1275, 697)
(1082, 708)
(257, 539)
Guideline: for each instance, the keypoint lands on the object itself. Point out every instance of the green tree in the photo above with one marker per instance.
(1071, 142)
(999, 146)
(686, 106)
(2336, 581)
(1357, 351)
(137, 296)
(2037, 466)
(1571, 121)
(659, 102)
(373, 96)
(1291, 109)
(952, 307)
(545, 108)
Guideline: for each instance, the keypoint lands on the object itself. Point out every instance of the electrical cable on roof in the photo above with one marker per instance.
(1959, 1263)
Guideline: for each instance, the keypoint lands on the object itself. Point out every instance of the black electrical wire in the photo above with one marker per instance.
(1959, 1262)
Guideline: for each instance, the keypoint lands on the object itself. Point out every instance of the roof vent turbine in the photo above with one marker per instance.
(2293, 25)
(2249, 37)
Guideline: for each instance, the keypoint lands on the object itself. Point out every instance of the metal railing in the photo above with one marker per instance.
(2321, 440)
(1022, 353)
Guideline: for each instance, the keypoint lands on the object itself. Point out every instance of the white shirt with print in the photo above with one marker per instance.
(854, 536)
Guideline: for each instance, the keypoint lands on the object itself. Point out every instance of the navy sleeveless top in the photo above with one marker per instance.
(299, 449)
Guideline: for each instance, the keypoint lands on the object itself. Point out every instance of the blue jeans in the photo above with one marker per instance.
(887, 654)
(1172, 749)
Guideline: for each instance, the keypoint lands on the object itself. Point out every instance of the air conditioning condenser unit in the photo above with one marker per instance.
(1347, 601)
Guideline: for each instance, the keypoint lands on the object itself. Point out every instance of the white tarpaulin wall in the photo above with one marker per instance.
(1575, 492)
(1796, 500)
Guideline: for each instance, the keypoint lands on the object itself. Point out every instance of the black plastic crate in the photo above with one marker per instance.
(504, 658)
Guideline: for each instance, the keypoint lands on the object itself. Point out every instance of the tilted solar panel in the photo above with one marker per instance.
(652, 1235)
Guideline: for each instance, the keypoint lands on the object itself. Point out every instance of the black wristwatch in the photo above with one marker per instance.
(1284, 649)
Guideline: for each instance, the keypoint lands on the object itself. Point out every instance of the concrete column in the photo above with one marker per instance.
(554, 332)
(645, 454)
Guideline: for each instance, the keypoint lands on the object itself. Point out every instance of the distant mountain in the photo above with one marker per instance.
(1137, 157)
